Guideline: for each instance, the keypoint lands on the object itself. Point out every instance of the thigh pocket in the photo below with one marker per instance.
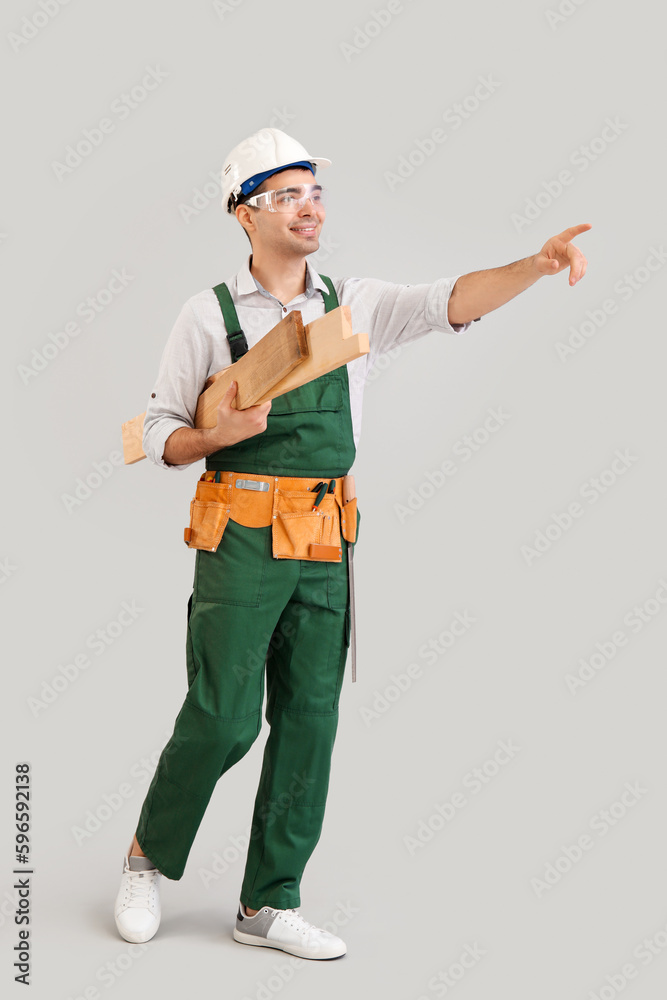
(295, 525)
(234, 573)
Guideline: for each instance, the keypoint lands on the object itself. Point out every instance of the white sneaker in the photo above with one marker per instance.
(288, 931)
(137, 909)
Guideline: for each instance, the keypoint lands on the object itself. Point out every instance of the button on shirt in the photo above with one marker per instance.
(391, 314)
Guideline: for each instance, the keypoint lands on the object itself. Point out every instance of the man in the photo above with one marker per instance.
(251, 614)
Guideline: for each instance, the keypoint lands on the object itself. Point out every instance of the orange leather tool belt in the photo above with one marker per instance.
(284, 502)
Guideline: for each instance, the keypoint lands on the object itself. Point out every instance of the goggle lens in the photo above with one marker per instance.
(289, 199)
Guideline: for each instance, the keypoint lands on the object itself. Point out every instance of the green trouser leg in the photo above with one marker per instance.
(304, 674)
(249, 612)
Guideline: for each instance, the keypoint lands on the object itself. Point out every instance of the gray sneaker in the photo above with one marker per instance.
(288, 931)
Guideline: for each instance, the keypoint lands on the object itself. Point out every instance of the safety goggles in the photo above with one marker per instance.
(288, 199)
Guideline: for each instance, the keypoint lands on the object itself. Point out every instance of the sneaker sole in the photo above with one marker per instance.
(290, 949)
(137, 938)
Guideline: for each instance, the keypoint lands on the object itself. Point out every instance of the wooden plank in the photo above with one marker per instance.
(278, 353)
(329, 342)
(133, 430)
(269, 360)
(133, 437)
(211, 379)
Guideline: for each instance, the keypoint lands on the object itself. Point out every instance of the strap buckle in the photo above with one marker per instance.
(251, 484)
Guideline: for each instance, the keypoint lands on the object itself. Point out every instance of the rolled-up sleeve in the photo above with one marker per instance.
(437, 306)
(403, 313)
(181, 376)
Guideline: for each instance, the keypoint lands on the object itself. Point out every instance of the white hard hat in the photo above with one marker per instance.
(257, 157)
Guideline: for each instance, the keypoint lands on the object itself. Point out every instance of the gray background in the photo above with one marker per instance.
(66, 573)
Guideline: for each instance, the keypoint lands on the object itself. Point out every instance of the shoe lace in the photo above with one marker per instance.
(140, 886)
(299, 922)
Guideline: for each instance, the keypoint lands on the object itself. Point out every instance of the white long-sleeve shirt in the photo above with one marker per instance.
(197, 347)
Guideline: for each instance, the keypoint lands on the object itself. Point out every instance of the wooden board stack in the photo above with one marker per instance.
(287, 356)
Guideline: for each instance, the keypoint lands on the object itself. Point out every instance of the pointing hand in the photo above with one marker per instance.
(558, 253)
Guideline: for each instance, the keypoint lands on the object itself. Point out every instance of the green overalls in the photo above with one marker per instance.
(249, 610)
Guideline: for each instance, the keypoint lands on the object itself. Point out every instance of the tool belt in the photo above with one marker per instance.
(307, 515)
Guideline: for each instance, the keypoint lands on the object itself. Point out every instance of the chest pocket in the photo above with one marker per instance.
(323, 393)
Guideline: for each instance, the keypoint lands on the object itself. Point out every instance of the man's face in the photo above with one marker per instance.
(284, 233)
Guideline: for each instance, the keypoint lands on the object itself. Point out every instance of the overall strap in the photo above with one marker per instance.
(330, 297)
(238, 345)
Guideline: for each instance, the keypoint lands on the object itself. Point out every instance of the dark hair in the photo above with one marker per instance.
(242, 200)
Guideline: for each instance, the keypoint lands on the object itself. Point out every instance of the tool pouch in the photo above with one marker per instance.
(299, 532)
(209, 514)
(348, 520)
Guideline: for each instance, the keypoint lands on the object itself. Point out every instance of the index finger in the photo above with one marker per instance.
(569, 234)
